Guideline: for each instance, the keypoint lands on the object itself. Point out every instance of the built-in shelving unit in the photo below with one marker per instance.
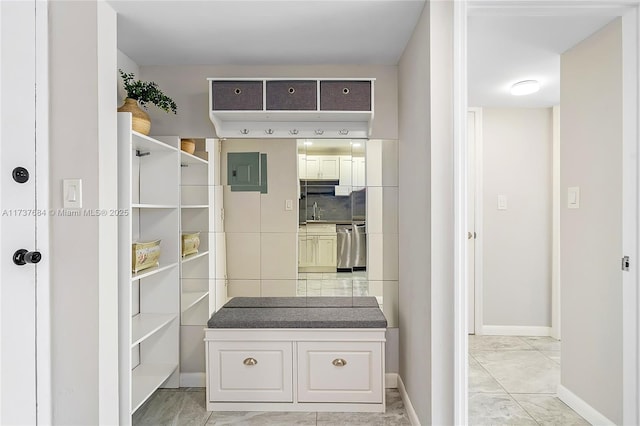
(291, 107)
(197, 269)
(149, 301)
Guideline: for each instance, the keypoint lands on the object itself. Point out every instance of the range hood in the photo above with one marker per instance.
(291, 108)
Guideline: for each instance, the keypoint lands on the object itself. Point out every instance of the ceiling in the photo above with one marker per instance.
(501, 49)
(298, 32)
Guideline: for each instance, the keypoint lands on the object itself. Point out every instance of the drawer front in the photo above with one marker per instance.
(350, 372)
(250, 371)
(320, 228)
(236, 95)
(345, 95)
(292, 95)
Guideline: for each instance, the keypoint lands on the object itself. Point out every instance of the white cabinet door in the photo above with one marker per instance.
(345, 170)
(318, 166)
(327, 247)
(306, 251)
(250, 371)
(312, 165)
(340, 372)
(358, 173)
(329, 167)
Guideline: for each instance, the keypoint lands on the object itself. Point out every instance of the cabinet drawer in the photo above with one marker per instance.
(236, 95)
(292, 95)
(345, 95)
(250, 371)
(340, 372)
(321, 229)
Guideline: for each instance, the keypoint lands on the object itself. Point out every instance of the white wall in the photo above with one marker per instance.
(187, 86)
(591, 236)
(126, 64)
(82, 118)
(517, 163)
(426, 214)
(414, 213)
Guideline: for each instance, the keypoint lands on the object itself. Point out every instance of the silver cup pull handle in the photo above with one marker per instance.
(250, 361)
(339, 362)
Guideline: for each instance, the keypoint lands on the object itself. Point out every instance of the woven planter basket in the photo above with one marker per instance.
(141, 122)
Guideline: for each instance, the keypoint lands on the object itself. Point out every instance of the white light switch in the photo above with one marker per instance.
(573, 197)
(502, 202)
(72, 193)
(288, 204)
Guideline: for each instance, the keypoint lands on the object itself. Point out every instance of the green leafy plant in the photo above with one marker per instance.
(147, 92)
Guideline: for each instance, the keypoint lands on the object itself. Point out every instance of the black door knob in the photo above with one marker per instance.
(20, 174)
(22, 257)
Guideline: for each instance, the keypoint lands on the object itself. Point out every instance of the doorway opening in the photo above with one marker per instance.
(484, 320)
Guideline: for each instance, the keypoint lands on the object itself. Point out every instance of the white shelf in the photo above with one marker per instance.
(194, 256)
(195, 206)
(153, 206)
(186, 158)
(146, 144)
(145, 325)
(191, 298)
(152, 271)
(146, 378)
(293, 116)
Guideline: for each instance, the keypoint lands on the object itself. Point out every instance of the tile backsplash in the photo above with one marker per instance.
(332, 207)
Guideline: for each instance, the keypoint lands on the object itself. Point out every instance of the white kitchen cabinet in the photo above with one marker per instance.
(295, 369)
(352, 172)
(327, 251)
(358, 173)
(317, 247)
(149, 300)
(319, 167)
(345, 171)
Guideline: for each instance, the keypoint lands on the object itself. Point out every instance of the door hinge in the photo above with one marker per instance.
(625, 263)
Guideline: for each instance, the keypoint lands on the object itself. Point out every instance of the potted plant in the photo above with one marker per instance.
(143, 92)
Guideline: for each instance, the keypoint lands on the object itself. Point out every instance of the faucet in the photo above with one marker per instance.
(315, 215)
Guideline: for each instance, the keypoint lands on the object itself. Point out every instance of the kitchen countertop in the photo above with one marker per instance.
(299, 312)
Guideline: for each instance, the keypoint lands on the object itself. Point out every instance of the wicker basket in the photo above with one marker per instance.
(140, 119)
(188, 146)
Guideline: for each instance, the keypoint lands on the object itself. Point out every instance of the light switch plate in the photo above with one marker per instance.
(502, 202)
(288, 205)
(573, 197)
(72, 193)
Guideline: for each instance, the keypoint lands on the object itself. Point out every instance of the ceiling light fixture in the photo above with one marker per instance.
(525, 87)
(355, 144)
(308, 143)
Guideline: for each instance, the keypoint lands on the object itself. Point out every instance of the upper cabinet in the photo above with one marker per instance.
(325, 167)
(285, 108)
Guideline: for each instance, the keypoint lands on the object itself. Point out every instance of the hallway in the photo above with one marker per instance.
(513, 380)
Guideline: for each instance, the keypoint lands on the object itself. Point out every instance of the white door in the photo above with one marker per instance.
(18, 207)
(471, 226)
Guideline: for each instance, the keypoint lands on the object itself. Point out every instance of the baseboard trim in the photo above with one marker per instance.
(515, 330)
(193, 380)
(578, 405)
(391, 380)
(411, 413)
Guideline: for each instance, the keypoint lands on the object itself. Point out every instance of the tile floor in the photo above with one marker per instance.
(513, 381)
(186, 406)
